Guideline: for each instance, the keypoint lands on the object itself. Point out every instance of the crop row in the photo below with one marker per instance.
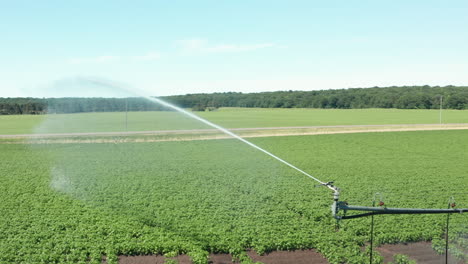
(69, 203)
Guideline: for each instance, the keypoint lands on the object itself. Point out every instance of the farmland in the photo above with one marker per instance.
(78, 202)
(234, 132)
(226, 117)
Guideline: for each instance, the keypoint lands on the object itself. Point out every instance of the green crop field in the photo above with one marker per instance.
(73, 203)
(227, 117)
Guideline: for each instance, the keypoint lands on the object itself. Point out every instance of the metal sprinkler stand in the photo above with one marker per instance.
(343, 206)
(338, 206)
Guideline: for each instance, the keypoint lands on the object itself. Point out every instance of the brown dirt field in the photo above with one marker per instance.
(422, 252)
(286, 257)
(276, 257)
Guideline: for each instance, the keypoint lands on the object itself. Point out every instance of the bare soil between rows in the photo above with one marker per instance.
(422, 252)
(275, 257)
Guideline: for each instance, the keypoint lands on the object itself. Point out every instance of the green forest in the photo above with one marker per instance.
(403, 97)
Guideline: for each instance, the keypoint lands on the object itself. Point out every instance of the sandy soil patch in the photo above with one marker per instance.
(212, 134)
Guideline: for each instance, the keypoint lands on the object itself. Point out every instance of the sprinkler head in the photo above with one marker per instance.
(381, 203)
(453, 205)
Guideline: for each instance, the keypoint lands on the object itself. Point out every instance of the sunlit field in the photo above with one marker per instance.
(72, 203)
(226, 117)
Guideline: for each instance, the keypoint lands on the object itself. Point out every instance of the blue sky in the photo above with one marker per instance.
(178, 47)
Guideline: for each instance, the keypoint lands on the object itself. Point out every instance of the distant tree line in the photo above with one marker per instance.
(406, 97)
(414, 97)
(15, 106)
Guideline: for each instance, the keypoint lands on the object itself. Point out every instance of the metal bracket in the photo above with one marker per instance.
(339, 205)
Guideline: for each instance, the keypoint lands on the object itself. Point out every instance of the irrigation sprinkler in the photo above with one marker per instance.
(382, 209)
(337, 205)
(365, 211)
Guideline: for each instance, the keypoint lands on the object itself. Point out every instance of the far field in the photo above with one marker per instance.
(226, 117)
(67, 203)
(75, 203)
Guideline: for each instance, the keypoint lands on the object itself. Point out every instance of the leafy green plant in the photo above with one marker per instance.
(77, 202)
(402, 259)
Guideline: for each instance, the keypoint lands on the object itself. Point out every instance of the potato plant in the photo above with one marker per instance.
(78, 203)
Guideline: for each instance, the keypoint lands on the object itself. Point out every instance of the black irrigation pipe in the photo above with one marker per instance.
(383, 210)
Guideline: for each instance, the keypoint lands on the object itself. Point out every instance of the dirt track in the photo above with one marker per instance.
(275, 257)
(422, 252)
(209, 134)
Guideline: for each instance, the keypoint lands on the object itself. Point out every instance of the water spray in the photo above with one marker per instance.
(213, 125)
(337, 205)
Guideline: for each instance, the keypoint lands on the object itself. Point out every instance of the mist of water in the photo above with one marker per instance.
(114, 85)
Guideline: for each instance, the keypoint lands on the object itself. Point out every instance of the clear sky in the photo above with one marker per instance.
(178, 47)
